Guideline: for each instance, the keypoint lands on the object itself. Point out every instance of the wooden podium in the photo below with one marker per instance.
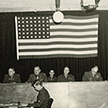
(65, 95)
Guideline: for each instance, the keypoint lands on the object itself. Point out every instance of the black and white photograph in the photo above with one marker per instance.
(54, 54)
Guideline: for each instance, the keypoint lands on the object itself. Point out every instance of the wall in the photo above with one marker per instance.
(44, 5)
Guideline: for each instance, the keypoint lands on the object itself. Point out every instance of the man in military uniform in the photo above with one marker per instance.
(52, 78)
(66, 77)
(92, 75)
(37, 75)
(43, 96)
(12, 77)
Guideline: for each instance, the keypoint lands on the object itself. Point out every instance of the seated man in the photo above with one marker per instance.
(43, 95)
(66, 77)
(92, 75)
(37, 75)
(12, 77)
(52, 78)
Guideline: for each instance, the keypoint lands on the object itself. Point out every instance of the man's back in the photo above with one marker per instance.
(43, 97)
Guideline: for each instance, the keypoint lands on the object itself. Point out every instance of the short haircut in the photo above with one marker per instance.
(95, 67)
(37, 82)
(37, 67)
(12, 68)
(51, 70)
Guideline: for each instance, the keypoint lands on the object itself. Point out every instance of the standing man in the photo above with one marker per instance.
(43, 95)
(92, 75)
(37, 75)
(66, 77)
(12, 77)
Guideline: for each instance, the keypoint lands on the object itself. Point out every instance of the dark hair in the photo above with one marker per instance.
(37, 82)
(12, 68)
(37, 67)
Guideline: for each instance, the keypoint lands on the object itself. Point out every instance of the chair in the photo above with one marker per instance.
(50, 102)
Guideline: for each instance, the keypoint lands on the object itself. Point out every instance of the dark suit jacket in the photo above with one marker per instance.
(16, 79)
(42, 99)
(89, 77)
(61, 78)
(33, 77)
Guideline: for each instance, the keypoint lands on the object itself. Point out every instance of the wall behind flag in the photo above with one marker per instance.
(25, 66)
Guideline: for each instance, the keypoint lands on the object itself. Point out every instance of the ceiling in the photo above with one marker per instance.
(44, 5)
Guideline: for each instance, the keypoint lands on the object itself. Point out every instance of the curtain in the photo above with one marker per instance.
(25, 66)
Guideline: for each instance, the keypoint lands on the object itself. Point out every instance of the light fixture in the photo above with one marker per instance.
(58, 15)
(89, 5)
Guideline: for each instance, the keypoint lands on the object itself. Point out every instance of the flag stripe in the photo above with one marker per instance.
(75, 30)
(77, 27)
(59, 52)
(90, 17)
(57, 46)
(58, 40)
(57, 43)
(74, 36)
(75, 23)
(57, 49)
(57, 55)
(75, 33)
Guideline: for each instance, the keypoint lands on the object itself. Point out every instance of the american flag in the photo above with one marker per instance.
(40, 37)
